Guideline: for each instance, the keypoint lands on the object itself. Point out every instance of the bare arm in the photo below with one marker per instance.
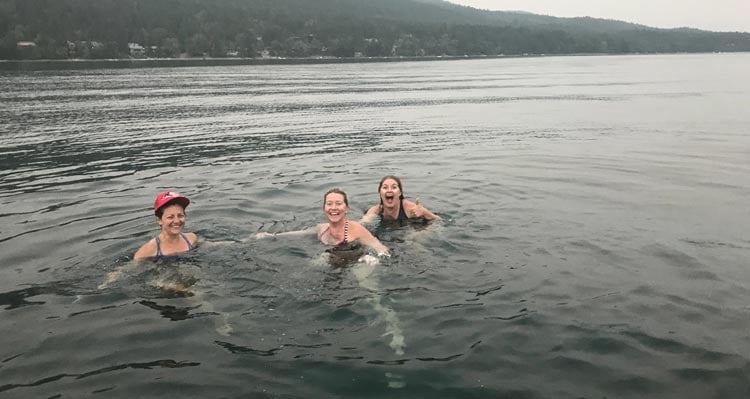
(361, 234)
(206, 243)
(198, 241)
(309, 230)
(118, 272)
(371, 214)
(147, 250)
(416, 210)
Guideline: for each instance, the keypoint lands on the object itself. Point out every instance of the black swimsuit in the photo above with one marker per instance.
(401, 214)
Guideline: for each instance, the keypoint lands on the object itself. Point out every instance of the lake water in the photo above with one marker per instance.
(594, 243)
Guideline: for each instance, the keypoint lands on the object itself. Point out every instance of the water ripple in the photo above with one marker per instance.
(165, 363)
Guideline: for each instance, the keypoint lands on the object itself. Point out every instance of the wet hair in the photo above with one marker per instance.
(159, 212)
(398, 181)
(336, 190)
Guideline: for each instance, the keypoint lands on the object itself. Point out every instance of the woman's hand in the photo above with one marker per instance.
(369, 260)
(417, 210)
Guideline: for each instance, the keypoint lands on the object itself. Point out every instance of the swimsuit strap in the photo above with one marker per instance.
(346, 234)
(190, 246)
(322, 232)
(158, 247)
(159, 254)
(401, 212)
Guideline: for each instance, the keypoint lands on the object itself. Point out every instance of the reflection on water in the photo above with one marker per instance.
(593, 240)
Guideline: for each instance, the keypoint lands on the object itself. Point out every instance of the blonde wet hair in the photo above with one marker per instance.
(336, 190)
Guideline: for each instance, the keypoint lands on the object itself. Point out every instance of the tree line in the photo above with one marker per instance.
(58, 29)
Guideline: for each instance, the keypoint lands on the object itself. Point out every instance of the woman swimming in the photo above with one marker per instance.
(339, 233)
(171, 242)
(393, 205)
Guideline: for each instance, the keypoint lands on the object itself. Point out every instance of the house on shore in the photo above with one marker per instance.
(136, 50)
(27, 49)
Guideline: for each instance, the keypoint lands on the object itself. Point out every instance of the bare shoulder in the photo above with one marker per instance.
(192, 237)
(356, 229)
(147, 250)
(374, 210)
(355, 224)
(408, 205)
(417, 210)
(412, 209)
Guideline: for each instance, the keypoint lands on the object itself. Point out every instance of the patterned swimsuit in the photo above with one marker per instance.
(344, 245)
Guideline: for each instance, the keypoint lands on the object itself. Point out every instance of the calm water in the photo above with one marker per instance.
(595, 241)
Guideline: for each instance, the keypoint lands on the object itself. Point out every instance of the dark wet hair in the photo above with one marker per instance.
(336, 190)
(398, 181)
(159, 212)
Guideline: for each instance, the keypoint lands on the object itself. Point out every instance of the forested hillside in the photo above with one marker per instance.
(56, 29)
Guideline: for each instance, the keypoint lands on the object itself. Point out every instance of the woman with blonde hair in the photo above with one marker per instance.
(339, 233)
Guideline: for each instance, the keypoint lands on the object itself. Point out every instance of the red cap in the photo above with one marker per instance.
(168, 197)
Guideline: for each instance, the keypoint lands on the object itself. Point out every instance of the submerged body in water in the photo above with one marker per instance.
(586, 253)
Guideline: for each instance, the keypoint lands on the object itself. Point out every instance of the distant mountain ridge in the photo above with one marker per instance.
(320, 28)
(526, 17)
(600, 24)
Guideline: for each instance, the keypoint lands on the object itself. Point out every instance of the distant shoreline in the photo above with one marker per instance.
(71, 64)
(77, 64)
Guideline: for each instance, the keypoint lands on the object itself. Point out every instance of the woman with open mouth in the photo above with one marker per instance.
(393, 205)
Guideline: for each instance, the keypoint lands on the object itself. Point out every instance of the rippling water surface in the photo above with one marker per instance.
(594, 244)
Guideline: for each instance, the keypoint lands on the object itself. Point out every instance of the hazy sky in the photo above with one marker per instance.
(716, 15)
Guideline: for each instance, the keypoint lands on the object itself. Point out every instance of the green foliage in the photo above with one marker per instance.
(313, 28)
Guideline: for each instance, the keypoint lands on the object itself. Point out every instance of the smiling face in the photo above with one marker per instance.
(172, 219)
(335, 206)
(390, 192)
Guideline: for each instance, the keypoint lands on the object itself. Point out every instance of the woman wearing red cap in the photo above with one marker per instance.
(171, 242)
(169, 209)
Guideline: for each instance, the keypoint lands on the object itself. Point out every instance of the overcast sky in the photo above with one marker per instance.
(716, 15)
